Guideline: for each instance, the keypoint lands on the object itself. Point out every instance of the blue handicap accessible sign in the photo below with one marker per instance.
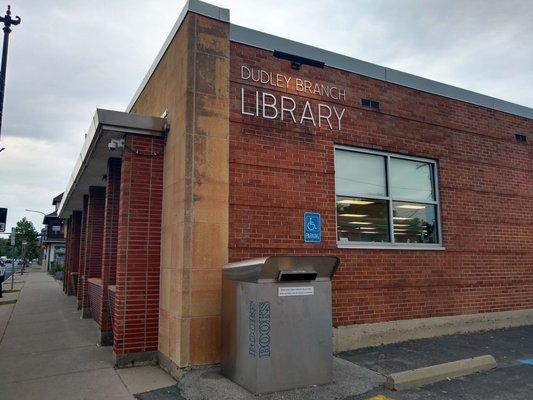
(312, 228)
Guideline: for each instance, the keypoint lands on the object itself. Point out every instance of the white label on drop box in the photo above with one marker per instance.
(296, 291)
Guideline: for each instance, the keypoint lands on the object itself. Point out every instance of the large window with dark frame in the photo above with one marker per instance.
(385, 199)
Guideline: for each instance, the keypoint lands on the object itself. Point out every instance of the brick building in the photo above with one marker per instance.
(424, 191)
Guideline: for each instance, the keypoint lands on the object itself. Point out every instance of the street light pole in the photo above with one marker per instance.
(8, 21)
(35, 211)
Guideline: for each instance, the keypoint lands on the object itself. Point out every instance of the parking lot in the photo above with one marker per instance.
(511, 380)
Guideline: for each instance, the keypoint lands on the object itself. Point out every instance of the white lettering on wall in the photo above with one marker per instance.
(270, 106)
(339, 116)
(323, 116)
(285, 108)
(305, 117)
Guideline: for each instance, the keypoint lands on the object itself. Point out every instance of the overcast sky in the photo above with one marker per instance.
(69, 57)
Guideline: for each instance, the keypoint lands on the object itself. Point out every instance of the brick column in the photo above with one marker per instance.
(93, 243)
(66, 263)
(83, 242)
(138, 252)
(109, 254)
(73, 236)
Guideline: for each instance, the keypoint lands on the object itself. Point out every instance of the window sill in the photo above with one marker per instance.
(377, 246)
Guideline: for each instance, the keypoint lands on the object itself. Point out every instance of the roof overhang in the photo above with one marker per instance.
(91, 164)
(50, 218)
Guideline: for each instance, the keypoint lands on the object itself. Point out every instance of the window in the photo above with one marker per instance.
(385, 200)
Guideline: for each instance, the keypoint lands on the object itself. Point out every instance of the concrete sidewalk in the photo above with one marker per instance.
(48, 352)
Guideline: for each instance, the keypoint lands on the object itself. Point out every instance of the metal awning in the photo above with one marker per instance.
(91, 165)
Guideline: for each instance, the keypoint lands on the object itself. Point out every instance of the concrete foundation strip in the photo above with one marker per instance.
(435, 373)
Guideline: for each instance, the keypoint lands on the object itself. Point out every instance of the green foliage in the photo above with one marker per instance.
(55, 267)
(5, 249)
(25, 231)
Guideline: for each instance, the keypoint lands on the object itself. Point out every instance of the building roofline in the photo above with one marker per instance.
(91, 163)
(269, 42)
(195, 6)
(57, 199)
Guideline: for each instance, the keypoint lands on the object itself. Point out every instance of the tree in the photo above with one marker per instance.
(5, 250)
(25, 231)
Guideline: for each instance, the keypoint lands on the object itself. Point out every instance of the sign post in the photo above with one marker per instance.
(23, 256)
(13, 233)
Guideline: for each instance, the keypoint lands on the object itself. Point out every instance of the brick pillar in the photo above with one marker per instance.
(109, 256)
(74, 233)
(83, 243)
(66, 262)
(93, 243)
(138, 252)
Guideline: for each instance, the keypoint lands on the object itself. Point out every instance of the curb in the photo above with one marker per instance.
(435, 373)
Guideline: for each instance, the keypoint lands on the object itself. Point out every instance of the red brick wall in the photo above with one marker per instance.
(93, 239)
(138, 252)
(66, 261)
(72, 252)
(111, 290)
(278, 170)
(83, 242)
(95, 292)
(109, 252)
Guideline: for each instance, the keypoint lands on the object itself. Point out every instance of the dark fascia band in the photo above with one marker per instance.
(298, 60)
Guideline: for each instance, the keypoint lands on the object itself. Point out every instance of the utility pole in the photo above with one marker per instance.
(8, 21)
(24, 249)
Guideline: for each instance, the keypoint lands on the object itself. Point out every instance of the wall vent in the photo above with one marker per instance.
(520, 138)
(372, 104)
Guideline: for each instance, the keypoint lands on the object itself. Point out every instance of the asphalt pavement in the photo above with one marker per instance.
(511, 380)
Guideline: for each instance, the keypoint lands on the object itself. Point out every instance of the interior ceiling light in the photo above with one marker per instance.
(402, 218)
(367, 227)
(401, 225)
(353, 215)
(356, 202)
(411, 207)
(370, 232)
(360, 223)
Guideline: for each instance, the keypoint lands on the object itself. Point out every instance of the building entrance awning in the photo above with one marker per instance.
(91, 165)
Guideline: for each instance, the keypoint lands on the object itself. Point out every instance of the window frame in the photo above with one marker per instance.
(390, 201)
